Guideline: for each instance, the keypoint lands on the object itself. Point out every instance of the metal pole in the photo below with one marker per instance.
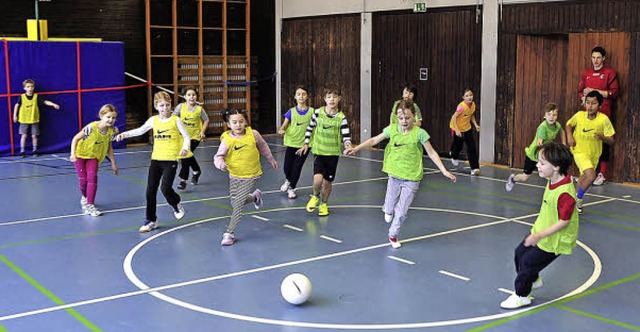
(37, 10)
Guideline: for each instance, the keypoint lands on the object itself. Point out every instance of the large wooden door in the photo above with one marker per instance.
(541, 67)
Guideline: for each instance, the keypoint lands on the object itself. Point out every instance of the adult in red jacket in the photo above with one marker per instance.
(603, 79)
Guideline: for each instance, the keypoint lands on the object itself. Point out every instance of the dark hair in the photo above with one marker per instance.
(331, 88)
(597, 95)
(190, 87)
(301, 87)
(467, 89)
(550, 106)
(600, 50)
(557, 155)
(27, 81)
(406, 105)
(227, 112)
(412, 88)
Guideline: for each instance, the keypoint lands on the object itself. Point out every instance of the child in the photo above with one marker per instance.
(239, 154)
(88, 149)
(586, 130)
(327, 124)
(554, 232)
(196, 121)
(409, 93)
(461, 131)
(299, 117)
(403, 163)
(27, 113)
(170, 142)
(546, 132)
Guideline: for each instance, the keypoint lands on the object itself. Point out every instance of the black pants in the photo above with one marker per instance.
(165, 171)
(190, 162)
(293, 164)
(529, 262)
(472, 154)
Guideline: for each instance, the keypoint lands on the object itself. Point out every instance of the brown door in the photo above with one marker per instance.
(540, 78)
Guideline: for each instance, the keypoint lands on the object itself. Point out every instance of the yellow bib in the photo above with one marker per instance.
(464, 119)
(243, 157)
(192, 120)
(96, 145)
(29, 112)
(167, 141)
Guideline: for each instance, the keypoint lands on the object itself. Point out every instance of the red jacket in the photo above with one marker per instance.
(603, 79)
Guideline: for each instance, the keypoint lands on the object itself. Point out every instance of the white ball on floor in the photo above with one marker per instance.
(296, 288)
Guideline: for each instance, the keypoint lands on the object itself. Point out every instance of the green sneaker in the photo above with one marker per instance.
(313, 203)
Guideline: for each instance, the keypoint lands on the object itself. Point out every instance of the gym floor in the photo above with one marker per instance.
(65, 271)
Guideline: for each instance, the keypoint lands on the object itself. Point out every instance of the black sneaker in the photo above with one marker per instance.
(182, 185)
(195, 178)
(22, 154)
(35, 153)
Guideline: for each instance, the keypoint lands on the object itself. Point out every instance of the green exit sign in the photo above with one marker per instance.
(420, 7)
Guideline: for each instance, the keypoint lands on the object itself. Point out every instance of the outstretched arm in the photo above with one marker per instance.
(433, 155)
(366, 144)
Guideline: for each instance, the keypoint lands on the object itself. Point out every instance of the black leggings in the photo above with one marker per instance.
(189, 162)
(293, 164)
(468, 139)
(165, 171)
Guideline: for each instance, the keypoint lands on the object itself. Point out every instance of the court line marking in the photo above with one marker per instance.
(508, 291)
(260, 218)
(402, 260)
(328, 238)
(453, 275)
(293, 228)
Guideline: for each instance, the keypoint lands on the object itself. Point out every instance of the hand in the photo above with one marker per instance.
(458, 133)
(350, 151)
(15, 119)
(571, 142)
(478, 128)
(72, 158)
(531, 240)
(599, 136)
(281, 132)
(303, 150)
(56, 106)
(114, 168)
(587, 90)
(274, 164)
(202, 135)
(450, 176)
(183, 152)
(119, 138)
(223, 166)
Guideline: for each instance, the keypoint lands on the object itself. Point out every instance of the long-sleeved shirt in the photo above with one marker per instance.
(261, 144)
(603, 79)
(186, 142)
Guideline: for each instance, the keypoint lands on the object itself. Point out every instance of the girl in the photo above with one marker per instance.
(239, 154)
(170, 142)
(409, 93)
(299, 117)
(546, 132)
(461, 132)
(196, 121)
(403, 163)
(88, 149)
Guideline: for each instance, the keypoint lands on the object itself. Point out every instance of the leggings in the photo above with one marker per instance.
(468, 139)
(88, 178)
(240, 194)
(190, 162)
(165, 171)
(293, 165)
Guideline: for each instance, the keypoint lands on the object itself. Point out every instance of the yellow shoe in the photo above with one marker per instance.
(313, 203)
(323, 210)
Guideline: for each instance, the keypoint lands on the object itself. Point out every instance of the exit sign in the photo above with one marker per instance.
(420, 7)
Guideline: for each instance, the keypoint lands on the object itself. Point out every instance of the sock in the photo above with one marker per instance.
(580, 192)
(35, 147)
(603, 167)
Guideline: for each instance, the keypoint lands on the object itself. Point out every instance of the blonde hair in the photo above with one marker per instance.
(107, 108)
(27, 81)
(161, 96)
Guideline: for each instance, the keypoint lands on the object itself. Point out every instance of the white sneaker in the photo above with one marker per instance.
(475, 171)
(395, 243)
(388, 218)
(83, 203)
(91, 210)
(148, 226)
(579, 205)
(178, 211)
(455, 162)
(291, 193)
(537, 284)
(510, 183)
(227, 239)
(514, 301)
(285, 186)
(600, 180)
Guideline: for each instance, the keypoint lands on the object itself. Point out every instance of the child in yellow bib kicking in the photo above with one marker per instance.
(239, 154)
(170, 142)
(88, 149)
(403, 163)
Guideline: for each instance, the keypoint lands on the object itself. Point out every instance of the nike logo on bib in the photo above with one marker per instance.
(238, 147)
(163, 131)
(398, 145)
(326, 127)
(584, 130)
(300, 124)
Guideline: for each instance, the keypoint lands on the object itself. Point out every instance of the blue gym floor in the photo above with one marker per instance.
(64, 271)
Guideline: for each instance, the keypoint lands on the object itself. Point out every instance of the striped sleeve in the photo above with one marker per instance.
(312, 124)
(87, 130)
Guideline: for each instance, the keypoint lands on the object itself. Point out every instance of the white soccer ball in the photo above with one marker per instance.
(296, 288)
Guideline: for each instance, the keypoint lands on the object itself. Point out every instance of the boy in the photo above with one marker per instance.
(27, 112)
(547, 132)
(586, 131)
(554, 232)
(328, 124)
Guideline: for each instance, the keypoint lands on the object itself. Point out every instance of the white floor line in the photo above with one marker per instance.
(401, 260)
(330, 239)
(453, 275)
(261, 218)
(626, 196)
(508, 291)
(293, 228)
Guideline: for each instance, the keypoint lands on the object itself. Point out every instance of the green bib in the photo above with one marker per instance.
(564, 240)
(548, 134)
(294, 135)
(327, 136)
(403, 155)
